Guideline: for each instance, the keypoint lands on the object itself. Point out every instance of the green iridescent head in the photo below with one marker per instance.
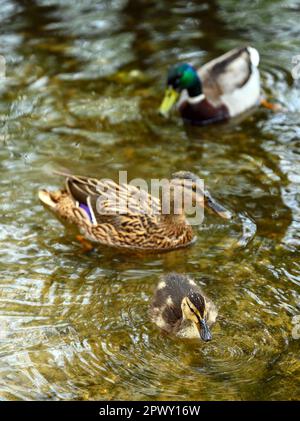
(184, 76)
(180, 77)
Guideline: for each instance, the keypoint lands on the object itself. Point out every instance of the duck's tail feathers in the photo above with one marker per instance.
(254, 56)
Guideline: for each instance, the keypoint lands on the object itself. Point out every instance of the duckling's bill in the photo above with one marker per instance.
(204, 330)
(170, 98)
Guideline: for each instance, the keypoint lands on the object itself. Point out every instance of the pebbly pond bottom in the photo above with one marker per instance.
(81, 89)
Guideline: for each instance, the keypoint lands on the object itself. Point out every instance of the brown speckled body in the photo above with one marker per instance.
(141, 229)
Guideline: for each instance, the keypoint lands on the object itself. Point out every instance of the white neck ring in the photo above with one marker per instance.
(196, 99)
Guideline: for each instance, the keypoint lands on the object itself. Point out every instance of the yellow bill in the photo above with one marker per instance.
(169, 100)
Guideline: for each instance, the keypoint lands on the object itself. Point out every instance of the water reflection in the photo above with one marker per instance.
(81, 91)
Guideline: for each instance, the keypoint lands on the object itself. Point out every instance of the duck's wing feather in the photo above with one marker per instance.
(228, 72)
(107, 199)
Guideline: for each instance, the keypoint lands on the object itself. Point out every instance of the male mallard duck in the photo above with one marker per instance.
(221, 89)
(97, 209)
(180, 307)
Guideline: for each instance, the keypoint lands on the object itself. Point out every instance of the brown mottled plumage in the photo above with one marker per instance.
(91, 206)
(180, 307)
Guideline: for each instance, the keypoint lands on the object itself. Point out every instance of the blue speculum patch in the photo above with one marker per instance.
(87, 210)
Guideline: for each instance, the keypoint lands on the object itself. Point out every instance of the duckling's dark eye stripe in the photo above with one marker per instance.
(192, 310)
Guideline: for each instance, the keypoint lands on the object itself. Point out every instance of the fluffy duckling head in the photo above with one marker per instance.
(194, 308)
(180, 307)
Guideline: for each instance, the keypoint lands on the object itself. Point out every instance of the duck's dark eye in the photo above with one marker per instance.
(177, 80)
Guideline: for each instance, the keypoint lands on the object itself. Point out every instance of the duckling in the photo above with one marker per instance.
(179, 307)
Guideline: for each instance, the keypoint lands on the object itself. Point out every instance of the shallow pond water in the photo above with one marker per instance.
(83, 83)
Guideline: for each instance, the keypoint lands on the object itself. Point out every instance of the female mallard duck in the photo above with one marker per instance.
(97, 208)
(221, 89)
(180, 307)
